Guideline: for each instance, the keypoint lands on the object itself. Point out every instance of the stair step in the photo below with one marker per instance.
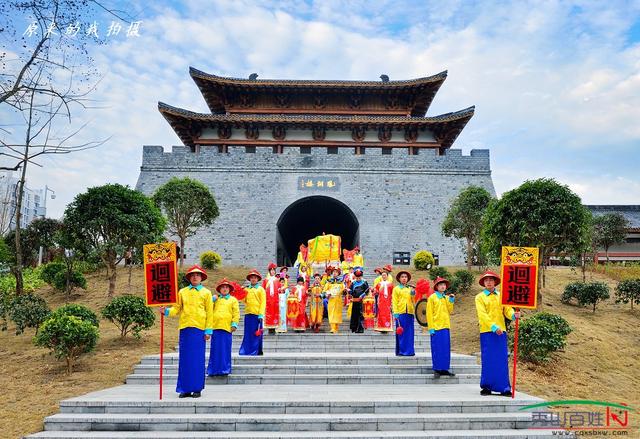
(330, 358)
(288, 422)
(304, 369)
(391, 434)
(150, 379)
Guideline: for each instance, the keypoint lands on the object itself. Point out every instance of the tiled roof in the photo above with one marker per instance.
(293, 118)
(195, 73)
(630, 211)
(186, 124)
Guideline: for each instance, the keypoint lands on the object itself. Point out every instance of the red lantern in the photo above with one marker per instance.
(258, 332)
(399, 330)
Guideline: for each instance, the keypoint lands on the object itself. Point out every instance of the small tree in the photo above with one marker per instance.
(63, 281)
(28, 311)
(609, 229)
(188, 205)
(464, 219)
(423, 260)
(79, 311)
(67, 337)
(585, 293)
(628, 291)
(539, 213)
(44, 231)
(210, 260)
(50, 270)
(129, 314)
(542, 334)
(111, 219)
(462, 281)
(439, 272)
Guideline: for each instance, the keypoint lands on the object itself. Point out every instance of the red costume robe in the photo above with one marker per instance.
(271, 286)
(301, 321)
(383, 291)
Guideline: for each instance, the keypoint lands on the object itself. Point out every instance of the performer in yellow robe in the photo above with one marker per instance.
(333, 290)
(358, 259)
(403, 311)
(377, 271)
(316, 305)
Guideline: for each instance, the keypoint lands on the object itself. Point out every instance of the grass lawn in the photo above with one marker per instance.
(600, 362)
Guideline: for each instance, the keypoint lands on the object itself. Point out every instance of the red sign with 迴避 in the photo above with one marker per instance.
(160, 274)
(519, 277)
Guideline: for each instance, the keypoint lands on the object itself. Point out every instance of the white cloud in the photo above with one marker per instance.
(556, 85)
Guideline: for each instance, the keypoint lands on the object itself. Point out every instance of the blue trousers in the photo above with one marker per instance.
(191, 361)
(220, 353)
(251, 345)
(441, 349)
(404, 342)
(495, 362)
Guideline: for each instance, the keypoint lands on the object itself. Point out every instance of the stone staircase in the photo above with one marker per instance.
(305, 385)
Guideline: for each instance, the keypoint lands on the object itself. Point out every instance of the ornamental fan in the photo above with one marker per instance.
(238, 291)
(368, 307)
(423, 289)
(292, 308)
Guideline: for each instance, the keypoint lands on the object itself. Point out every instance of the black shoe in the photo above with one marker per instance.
(485, 392)
(436, 374)
(196, 395)
(507, 393)
(184, 395)
(447, 373)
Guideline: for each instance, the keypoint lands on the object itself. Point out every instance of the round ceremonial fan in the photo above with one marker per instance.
(238, 291)
(421, 312)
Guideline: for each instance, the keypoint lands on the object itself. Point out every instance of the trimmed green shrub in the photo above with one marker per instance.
(76, 280)
(79, 311)
(540, 335)
(50, 270)
(628, 291)
(585, 293)
(129, 314)
(28, 311)
(67, 337)
(423, 259)
(462, 281)
(210, 260)
(439, 271)
(182, 280)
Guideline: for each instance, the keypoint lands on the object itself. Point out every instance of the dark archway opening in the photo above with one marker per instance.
(309, 217)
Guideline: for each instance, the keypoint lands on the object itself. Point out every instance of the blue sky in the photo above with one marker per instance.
(556, 84)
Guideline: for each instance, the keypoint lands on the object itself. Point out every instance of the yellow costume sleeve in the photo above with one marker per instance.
(235, 312)
(262, 294)
(508, 312)
(175, 309)
(209, 310)
(484, 318)
(430, 313)
(395, 302)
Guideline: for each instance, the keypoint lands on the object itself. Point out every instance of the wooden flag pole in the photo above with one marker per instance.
(515, 355)
(161, 350)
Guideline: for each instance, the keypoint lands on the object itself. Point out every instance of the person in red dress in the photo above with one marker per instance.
(271, 285)
(300, 291)
(383, 292)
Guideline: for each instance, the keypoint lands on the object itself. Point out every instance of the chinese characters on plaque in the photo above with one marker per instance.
(519, 277)
(322, 183)
(160, 274)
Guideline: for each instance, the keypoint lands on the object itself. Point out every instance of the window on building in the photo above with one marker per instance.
(305, 150)
(250, 149)
(386, 151)
(332, 150)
